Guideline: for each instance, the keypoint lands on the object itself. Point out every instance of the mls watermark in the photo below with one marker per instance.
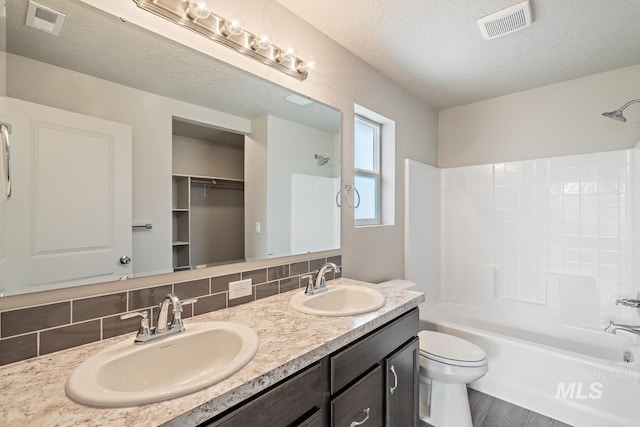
(579, 390)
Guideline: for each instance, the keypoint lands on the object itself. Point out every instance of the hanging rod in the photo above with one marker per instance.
(219, 183)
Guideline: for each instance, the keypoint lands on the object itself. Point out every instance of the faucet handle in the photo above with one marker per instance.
(309, 287)
(143, 314)
(186, 301)
(144, 332)
(177, 323)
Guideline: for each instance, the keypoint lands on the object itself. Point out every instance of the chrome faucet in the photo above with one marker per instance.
(163, 328)
(613, 327)
(320, 284)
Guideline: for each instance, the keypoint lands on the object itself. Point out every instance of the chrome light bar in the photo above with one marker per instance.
(196, 16)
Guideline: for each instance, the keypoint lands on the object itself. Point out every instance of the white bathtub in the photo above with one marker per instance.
(576, 376)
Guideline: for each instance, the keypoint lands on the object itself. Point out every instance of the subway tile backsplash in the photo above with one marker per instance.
(31, 319)
(40, 330)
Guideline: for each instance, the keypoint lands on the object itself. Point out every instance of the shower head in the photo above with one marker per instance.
(617, 114)
(322, 160)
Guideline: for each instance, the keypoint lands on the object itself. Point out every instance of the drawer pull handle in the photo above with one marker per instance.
(359, 423)
(395, 379)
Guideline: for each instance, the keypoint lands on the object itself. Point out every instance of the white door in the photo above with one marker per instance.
(68, 221)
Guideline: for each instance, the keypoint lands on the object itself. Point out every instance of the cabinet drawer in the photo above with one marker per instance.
(361, 403)
(360, 356)
(284, 405)
(317, 419)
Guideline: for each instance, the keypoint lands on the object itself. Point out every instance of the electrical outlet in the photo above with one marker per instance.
(238, 289)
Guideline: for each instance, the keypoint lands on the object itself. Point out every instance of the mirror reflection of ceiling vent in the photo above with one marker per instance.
(506, 21)
(44, 19)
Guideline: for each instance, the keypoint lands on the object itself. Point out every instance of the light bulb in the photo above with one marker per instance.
(302, 67)
(232, 27)
(305, 66)
(199, 10)
(261, 42)
(288, 54)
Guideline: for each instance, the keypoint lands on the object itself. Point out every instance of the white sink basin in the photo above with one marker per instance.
(339, 300)
(127, 375)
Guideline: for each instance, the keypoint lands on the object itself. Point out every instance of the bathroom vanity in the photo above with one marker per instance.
(368, 381)
(308, 371)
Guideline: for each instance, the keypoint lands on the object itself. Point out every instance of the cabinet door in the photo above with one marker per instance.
(402, 369)
(360, 404)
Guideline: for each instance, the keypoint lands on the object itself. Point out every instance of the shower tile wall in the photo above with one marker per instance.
(554, 233)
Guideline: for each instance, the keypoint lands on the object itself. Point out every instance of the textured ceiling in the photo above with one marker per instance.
(434, 48)
(101, 45)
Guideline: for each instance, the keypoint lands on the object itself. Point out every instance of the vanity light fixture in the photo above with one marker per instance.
(197, 16)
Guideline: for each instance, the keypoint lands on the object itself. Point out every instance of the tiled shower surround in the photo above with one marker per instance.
(553, 235)
(40, 330)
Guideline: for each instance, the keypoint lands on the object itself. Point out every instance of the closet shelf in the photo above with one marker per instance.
(219, 183)
(180, 243)
(197, 177)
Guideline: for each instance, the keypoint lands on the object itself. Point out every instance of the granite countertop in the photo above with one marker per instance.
(33, 390)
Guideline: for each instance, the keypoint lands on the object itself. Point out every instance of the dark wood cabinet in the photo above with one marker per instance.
(401, 395)
(294, 402)
(372, 382)
(358, 357)
(315, 419)
(360, 404)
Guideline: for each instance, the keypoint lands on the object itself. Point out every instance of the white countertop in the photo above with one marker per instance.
(33, 393)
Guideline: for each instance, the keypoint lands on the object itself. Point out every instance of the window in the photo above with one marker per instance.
(367, 170)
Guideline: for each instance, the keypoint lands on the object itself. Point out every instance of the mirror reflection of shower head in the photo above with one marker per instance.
(617, 114)
(322, 160)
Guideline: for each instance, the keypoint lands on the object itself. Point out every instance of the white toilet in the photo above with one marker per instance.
(447, 365)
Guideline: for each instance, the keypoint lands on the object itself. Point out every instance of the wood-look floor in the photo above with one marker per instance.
(487, 411)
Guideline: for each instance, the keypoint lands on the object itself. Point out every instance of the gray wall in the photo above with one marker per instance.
(555, 120)
(217, 225)
(191, 156)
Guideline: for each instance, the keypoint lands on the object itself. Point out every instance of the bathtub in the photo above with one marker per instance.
(581, 377)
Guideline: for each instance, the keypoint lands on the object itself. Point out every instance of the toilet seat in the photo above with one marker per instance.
(450, 350)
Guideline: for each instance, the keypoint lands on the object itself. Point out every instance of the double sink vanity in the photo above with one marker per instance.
(347, 355)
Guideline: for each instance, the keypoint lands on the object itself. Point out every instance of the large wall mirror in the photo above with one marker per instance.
(133, 155)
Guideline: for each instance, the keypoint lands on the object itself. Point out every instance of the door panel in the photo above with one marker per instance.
(70, 213)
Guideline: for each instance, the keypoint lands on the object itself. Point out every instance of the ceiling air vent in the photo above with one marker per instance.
(44, 19)
(506, 21)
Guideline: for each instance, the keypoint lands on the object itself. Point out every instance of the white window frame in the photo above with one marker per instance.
(375, 173)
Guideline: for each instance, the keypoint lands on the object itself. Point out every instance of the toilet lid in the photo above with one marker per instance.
(450, 349)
